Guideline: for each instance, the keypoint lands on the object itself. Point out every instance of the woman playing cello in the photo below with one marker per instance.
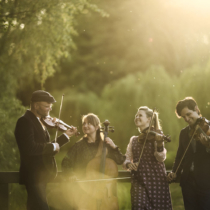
(83, 152)
(145, 157)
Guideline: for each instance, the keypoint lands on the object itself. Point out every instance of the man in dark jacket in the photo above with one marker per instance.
(192, 162)
(38, 165)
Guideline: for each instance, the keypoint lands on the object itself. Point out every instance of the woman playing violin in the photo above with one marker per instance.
(82, 152)
(144, 157)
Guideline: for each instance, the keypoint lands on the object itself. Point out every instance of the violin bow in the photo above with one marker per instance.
(56, 134)
(150, 125)
(196, 128)
(100, 180)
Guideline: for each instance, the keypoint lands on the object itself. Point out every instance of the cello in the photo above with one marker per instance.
(103, 194)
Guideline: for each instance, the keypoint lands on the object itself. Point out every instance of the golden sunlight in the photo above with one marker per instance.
(196, 5)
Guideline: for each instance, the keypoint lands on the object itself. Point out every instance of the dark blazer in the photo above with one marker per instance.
(201, 159)
(37, 162)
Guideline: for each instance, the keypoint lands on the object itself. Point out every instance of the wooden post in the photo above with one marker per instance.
(4, 196)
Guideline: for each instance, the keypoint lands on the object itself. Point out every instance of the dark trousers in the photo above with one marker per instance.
(194, 197)
(37, 197)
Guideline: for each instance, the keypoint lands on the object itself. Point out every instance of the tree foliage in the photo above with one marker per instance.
(136, 35)
(33, 36)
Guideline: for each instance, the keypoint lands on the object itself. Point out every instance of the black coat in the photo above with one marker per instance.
(37, 162)
(201, 159)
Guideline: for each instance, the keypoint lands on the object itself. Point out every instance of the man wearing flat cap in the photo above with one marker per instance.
(37, 162)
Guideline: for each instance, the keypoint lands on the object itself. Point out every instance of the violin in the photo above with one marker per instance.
(154, 135)
(51, 122)
(201, 126)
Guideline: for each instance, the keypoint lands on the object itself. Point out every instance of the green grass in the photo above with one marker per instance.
(57, 192)
(176, 195)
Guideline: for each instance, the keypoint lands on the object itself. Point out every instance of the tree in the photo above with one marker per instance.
(136, 35)
(34, 35)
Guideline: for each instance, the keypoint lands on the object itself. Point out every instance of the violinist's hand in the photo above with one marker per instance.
(132, 166)
(159, 140)
(110, 143)
(171, 176)
(71, 132)
(204, 140)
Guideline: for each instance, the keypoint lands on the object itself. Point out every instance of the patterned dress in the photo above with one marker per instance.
(149, 186)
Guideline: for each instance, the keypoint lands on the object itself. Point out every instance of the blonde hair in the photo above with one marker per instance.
(149, 112)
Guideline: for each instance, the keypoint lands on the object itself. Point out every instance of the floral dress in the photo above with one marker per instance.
(149, 186)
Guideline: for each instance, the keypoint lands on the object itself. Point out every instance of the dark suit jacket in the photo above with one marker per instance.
(37, 162)
(201, 159)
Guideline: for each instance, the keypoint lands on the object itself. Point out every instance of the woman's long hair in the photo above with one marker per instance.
(95, 121)
(156, 121)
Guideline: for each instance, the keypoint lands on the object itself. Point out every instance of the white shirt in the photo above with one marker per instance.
(160, 156)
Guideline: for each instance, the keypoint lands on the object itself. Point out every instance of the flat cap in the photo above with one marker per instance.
(41, 95)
